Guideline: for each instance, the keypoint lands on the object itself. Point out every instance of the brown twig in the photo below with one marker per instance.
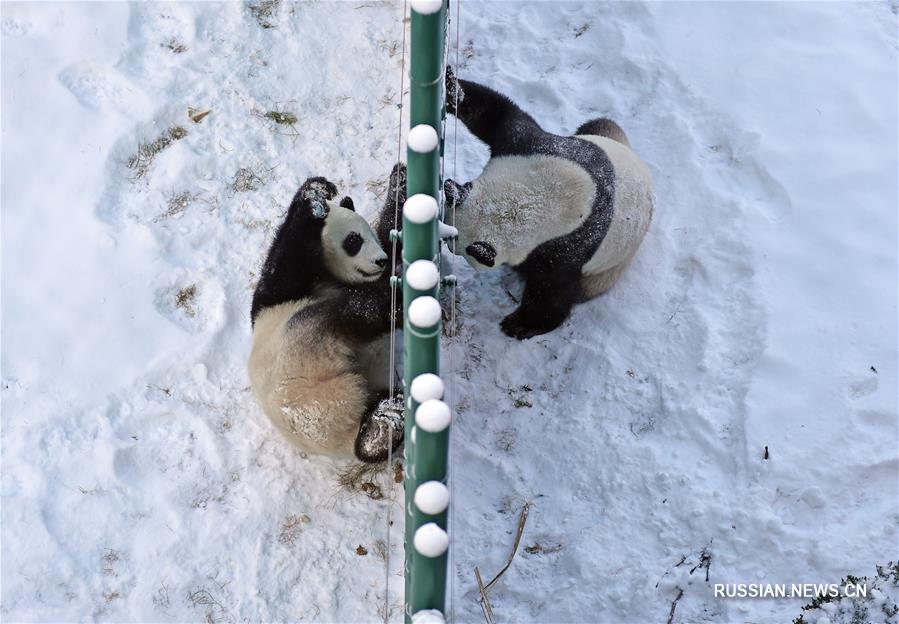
(522, 519)
(483, 589)
(485, 602)
(680, 594)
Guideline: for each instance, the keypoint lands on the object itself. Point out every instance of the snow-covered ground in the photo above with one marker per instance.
(140, 482)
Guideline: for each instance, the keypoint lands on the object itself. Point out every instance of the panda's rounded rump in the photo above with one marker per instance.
(305, 381)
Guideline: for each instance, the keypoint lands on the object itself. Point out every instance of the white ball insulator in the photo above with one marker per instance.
(433, 415)
(425, 387)
(420, 208)
(422, 275)
(426, 7)
(422, 139)
(424, 312)
(430, 540)
(429, 616)
(432, 497)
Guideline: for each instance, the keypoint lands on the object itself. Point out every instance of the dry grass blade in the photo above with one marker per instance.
(196, 115)
(185, 299)
(680, 594)
(485, 602)
(246, 180)
(283, 122)
(356, 474)
(265, 12)
(522, 519)
(176, 204)
(281, 117)
(146, 152)
(483, 589)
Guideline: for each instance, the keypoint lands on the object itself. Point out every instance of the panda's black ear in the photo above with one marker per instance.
(347, 202)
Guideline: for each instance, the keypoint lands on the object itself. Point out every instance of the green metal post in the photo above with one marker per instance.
(425, 448)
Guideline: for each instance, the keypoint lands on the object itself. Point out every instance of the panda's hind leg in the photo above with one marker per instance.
(381, 430)
(546, 303)
(604, 127)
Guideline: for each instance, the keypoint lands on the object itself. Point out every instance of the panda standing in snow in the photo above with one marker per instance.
(567, 213)
(321, 318)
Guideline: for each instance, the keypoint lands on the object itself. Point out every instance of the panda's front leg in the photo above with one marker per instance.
(546, 303)
(389, 218)
(364, 311)
(381, 431)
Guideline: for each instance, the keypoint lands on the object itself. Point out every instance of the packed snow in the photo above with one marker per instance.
(726, 414)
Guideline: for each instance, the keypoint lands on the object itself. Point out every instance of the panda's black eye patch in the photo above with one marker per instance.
(352, 243)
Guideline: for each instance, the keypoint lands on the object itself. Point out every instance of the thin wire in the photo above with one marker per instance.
(393, 289)
(396, 211)
(453, 329)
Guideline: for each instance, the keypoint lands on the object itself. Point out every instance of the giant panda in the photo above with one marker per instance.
(321, 315)
(567, 212)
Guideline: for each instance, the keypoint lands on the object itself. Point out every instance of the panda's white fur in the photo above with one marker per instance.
(314, 389)
(508, 205)
(520, 202)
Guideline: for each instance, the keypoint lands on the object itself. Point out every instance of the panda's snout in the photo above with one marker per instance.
(380, 260)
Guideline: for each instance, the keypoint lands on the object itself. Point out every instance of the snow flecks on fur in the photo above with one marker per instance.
(307, 421)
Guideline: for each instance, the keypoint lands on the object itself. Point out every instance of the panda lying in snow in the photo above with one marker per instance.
(568, 213)
(321, 321)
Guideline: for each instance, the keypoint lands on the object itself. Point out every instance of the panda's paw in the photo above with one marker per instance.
(398, 175)
(397, 186)
(454, 93)
(455, 193)
(318, 189)
(514, 327)
(381, 431)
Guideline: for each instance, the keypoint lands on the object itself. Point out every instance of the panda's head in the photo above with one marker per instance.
(350, 248)
(351, 252)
